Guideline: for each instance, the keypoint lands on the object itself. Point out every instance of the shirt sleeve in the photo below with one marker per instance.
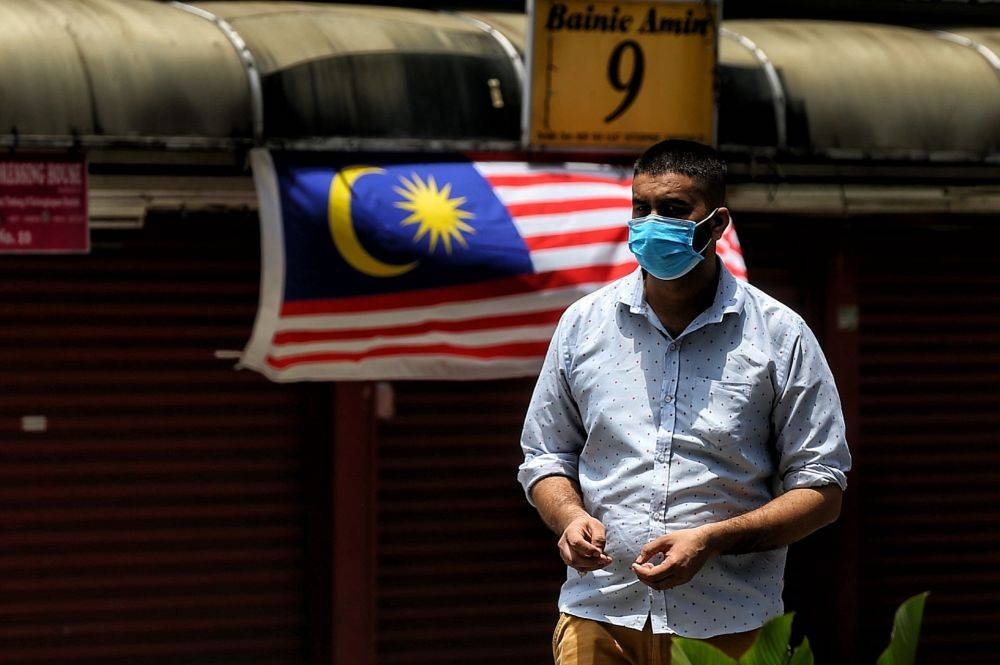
(809, 422)
(553, 433)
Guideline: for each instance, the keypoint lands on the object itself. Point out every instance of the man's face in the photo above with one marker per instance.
(678, 196)
(669, 195)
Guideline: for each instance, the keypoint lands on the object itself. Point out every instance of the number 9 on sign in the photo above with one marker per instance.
(633, 82)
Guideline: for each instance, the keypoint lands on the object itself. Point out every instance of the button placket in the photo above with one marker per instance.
(665, 436)
(669, 409)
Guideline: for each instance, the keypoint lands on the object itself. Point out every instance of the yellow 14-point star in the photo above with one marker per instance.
(434, 211)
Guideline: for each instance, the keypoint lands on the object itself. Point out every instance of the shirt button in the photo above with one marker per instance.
(672, 347)
(668, 399)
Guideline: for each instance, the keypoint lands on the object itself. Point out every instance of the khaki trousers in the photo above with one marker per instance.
(578, 641)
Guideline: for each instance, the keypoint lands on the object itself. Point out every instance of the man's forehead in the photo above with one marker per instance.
(665, 185)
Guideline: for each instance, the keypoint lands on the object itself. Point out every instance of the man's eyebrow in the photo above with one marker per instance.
(663, 199)
(674, 201)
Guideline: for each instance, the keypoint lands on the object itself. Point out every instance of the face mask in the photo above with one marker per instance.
(664, 246)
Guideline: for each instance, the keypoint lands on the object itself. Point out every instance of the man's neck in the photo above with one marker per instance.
(677, 302)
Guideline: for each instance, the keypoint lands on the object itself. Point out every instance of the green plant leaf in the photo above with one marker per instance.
(902, 649)
(803, 654)
(771, 647)
(684, 651)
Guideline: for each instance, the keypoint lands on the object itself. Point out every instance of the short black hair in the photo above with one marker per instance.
(700, 162)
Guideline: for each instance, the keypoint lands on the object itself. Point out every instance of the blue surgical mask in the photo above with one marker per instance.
(664, 246)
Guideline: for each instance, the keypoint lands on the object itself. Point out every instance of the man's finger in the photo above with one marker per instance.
(597, 535)
(581, 546)
(649, 573)
(582, 559)
(582, 564)
(566, 552)
(652, 548)
(587, 565)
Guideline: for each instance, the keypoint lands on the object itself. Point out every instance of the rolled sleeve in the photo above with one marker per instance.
(809, 422)
(814, 475)
(553, 433)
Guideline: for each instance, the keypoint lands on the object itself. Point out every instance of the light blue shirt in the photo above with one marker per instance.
(669, 433)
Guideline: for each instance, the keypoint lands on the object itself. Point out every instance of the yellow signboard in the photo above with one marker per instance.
(621, 74)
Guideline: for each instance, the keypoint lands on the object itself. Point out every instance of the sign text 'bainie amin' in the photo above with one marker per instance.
(621, 74)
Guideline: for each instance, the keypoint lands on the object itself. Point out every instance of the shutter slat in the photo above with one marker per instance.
(930, 434)
(158, 517)
(481, 573)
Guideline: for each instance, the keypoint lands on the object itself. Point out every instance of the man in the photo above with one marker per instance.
(685, 429)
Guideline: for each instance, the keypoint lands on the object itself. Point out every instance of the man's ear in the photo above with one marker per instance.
(720, 222)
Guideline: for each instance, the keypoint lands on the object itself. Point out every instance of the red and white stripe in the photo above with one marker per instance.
(729, 250)
(572, 220)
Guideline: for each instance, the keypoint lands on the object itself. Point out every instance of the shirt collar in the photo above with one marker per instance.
(730, 294)
(630, 292)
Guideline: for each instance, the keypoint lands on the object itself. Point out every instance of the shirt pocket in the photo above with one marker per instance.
(724, 413)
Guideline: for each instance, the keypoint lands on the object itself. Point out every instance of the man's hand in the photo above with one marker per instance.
(685, 552)
(581, 537)
(582, 544)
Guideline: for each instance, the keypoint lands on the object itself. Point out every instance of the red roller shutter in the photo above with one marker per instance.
(930, 425)
(467, 572)
(158, 518)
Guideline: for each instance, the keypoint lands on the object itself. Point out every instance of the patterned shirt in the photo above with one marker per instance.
(666, 433)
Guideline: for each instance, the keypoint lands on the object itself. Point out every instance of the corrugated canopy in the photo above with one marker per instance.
(122, 68)
(341, 70)
(846, 88)
(147, 70)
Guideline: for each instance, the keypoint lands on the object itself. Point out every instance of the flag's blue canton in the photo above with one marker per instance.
(315, 269)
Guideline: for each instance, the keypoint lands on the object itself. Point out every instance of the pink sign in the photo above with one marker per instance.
(43, 204)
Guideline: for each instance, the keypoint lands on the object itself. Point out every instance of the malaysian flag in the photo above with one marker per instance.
(381, 268)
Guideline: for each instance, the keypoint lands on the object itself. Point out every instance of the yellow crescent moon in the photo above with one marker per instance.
(342, 228)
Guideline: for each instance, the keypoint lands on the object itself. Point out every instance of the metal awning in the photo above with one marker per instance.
(859, 90)
(138, 72)
(125, 70)
(342, 70)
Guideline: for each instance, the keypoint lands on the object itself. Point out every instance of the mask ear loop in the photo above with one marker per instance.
(707, 242)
